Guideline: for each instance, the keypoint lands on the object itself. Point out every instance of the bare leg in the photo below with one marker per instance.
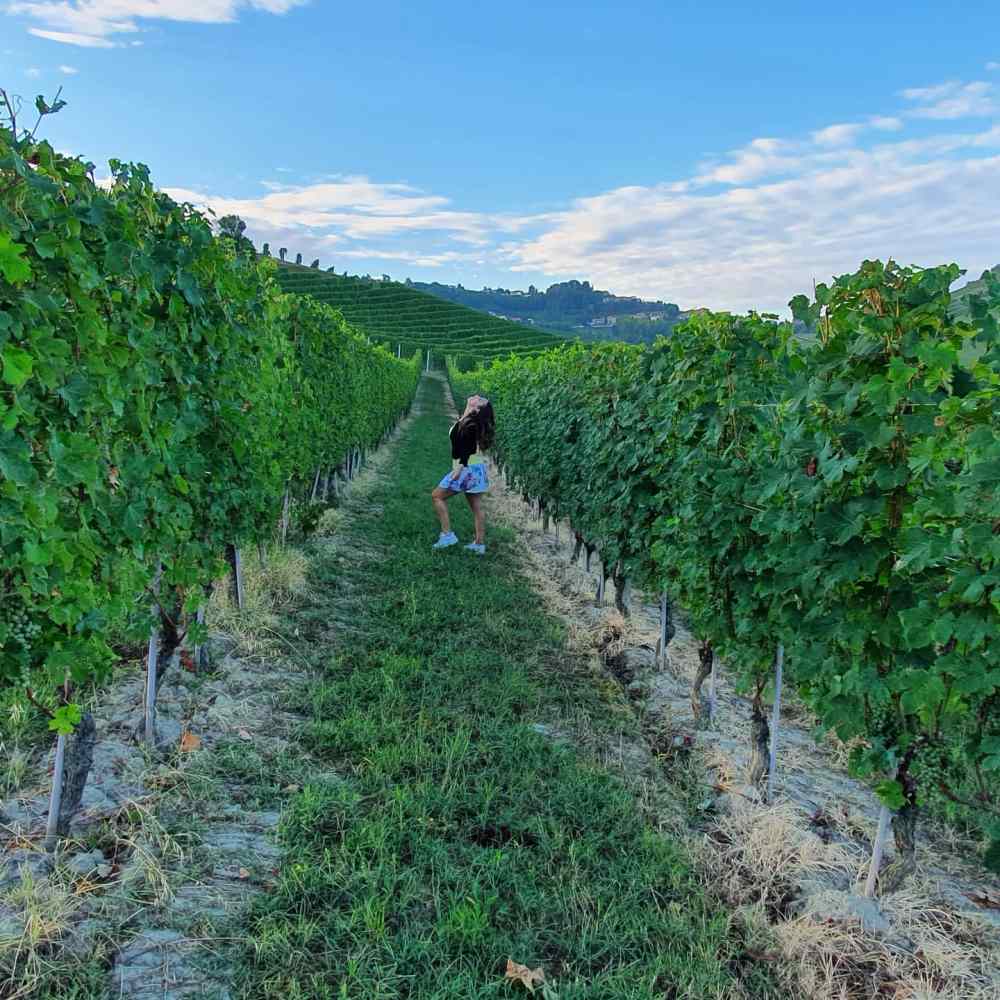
(439, 498)
(476, 503)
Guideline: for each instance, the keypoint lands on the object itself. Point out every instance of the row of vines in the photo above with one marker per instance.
(161, 401)
(834, 498)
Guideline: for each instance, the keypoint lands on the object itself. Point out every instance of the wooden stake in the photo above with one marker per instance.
(152, 655)
(779, 663)
(712, 697)
(285, 503)
(236, 567)
(199, 650)
(55, 797)
(664, 621)
(884, 821)
(599, 601)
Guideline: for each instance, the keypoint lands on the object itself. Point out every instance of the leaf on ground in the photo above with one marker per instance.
(989, 898)
(245, 734)
(189, 741)
(518, 973)
(244, 873)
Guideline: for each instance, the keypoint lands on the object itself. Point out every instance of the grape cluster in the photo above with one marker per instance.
(883, 718)
(933, 765)
(19, 627)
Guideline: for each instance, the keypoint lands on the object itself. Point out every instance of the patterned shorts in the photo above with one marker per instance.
(470, 479)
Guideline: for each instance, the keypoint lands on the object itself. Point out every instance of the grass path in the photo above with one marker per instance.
(461, 834)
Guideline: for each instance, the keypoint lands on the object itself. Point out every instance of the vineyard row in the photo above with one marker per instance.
(831, 505)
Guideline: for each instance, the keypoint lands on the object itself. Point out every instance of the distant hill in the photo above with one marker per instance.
(573, 308)
(402, 316)
(960, 297)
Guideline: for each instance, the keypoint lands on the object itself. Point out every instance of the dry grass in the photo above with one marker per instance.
(43, 914)
(267, 589)
(756, 856)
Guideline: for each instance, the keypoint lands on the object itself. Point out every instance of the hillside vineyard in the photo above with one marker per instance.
(396, 315)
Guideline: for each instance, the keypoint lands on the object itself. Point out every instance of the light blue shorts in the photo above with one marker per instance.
(471, 479)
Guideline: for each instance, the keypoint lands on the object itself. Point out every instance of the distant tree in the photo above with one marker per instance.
(267, 250)
(298, 258)
(385, 277)
(315, 263)
(233, 227)
(282, 252)
(331, 270)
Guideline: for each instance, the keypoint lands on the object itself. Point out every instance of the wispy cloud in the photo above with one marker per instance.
(953, 100)
(33, 72)
(993, 66)
(69, 70)
(98, 23)
(837, 135)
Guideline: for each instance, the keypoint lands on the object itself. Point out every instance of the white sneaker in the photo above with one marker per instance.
(478, 547)
(445, 540)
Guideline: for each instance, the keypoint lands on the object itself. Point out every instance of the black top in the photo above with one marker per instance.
(464, 440)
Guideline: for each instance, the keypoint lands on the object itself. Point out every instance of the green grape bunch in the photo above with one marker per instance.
(17, 628)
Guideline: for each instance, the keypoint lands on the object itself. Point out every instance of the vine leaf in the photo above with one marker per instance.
(65, 719)
(189, 741)
(13, 266)
(518, 973)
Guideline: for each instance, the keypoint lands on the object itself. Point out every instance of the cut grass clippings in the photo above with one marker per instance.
(461, 836)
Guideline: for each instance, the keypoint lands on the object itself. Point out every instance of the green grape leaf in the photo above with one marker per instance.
(65, 719)
(13, 266)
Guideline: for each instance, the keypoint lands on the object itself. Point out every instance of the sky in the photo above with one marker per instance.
(708, 154)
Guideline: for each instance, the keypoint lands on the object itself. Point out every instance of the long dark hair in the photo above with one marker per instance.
(484, 420)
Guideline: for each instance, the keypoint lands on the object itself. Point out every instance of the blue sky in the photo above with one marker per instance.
(703, 153)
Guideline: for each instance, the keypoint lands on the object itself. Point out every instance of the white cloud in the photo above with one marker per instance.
(886, 123)
(72, 38)
(992, 66)
(96, 23)
(952, 100)
(68, 70)
(33, 72)
(837, 135)
(756, 244)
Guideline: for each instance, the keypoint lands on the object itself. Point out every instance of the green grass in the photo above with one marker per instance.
(459, 836)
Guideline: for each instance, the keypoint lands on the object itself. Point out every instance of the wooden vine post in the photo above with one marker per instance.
(236, 575)
(713, 679)
(285, 508)
(599, 599)
(666, 630)
(55, 797)
(878, 847)
(152, 655)
(772, 766)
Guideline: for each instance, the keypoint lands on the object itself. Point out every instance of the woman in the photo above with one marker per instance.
(471, 433)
